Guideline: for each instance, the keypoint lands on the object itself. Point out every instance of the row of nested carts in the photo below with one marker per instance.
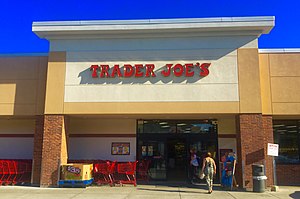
(18, 172)
(104, 173)
(14, 172)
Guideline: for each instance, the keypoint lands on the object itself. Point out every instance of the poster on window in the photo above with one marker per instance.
(224, 153)
(120, 148)
(150, 150)
(144, 150)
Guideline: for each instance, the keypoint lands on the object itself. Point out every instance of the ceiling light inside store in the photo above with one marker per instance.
(162, 123)
(181, 124)
(278, 125)
(281, 130)
(291, 127)
(167, 126)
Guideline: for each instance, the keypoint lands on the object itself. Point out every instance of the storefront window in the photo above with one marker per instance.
(171, 126)
(287, 135)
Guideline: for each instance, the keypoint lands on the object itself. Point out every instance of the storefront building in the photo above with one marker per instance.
(157, 88)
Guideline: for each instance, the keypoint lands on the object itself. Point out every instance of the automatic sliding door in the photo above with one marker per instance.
(154, 151)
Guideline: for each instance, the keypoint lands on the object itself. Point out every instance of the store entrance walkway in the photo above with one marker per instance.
(141, 191)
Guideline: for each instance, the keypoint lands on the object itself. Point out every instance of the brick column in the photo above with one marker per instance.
(268, 135)
(51, 150)
(37, 151)
(253, 133)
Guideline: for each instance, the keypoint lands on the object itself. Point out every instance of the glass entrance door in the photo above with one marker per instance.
(154, 151)
(176, 159)
(167, 144)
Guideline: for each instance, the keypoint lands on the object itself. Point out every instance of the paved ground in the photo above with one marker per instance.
(141, 191)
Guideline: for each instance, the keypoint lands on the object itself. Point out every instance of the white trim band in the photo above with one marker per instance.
(280, 50)
(61, 29)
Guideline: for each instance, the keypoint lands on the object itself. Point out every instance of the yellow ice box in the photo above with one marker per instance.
(76, 171)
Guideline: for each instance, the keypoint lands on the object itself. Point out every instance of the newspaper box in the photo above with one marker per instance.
(76, 171)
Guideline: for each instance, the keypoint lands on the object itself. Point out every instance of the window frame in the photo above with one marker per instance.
(287, 122)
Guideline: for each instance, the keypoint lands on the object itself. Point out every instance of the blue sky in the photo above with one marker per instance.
(16, 17)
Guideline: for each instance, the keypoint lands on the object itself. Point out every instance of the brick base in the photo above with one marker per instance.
(288, 174)
(37, 152)
(254, 131)
(50, 149)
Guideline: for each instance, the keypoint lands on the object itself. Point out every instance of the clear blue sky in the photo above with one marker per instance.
(16, 17)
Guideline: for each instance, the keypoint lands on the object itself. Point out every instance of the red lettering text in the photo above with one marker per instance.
(178, 70)
(94, 69)
(188, 70)
(128, 70)
(104, 71)
(115, 70)
(150, 70)
(168, 71)
(138, 68)
(204, 69)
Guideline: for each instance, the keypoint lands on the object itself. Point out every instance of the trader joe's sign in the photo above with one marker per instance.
(148, 70)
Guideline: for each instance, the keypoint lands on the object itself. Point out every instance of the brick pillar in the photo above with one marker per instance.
(51, 144)
(268, 135)
(253, 133)
(37, 151)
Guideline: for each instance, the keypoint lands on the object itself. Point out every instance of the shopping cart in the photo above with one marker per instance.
(14, 171)
(22, 169)
(103, 173)
(1, 172)
(126, 173)
(142, 170)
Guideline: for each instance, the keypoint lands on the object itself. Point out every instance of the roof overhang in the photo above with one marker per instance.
(154, 27)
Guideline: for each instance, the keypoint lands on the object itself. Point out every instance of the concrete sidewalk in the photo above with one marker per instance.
(141, 191)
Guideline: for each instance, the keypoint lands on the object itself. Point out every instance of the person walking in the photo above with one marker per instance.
(193, 165)
(209, 169)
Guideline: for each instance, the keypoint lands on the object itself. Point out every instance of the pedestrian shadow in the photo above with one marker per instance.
(295, 195)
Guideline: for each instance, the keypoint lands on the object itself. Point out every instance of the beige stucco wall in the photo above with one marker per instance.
(249, 81)
(17, 126)
(226, 125)
(79, 125)
(280, 76)
(22, 85)
(55, 83)
(16, 138)
(23, 80)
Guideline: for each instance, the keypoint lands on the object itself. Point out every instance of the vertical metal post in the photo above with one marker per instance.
(274, 171)
(265, 170)
(243, 173)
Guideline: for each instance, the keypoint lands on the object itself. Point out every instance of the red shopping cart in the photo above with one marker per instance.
(127, 173)
(142, 170)
(103, 173)
(6, 173)
(21, 171)
(14, 171)
(1, 172)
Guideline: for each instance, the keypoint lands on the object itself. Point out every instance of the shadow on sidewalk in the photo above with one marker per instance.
(201, 191)
(163, 187)
(295, 195)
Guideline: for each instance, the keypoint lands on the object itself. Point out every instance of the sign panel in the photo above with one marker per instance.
(273, 149)
(120, 148)
(149, 76)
